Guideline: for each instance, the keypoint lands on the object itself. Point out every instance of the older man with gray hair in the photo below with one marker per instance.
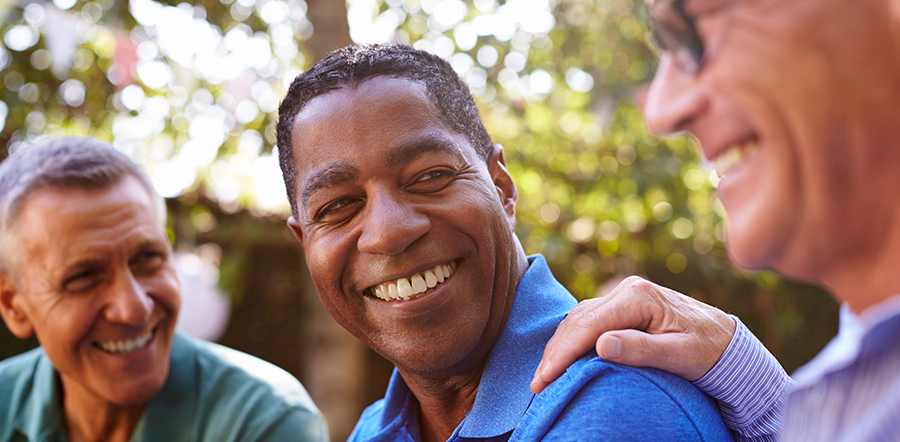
(85, 265)
(796, 103)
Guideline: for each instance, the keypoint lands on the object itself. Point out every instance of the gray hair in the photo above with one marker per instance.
(62, 163)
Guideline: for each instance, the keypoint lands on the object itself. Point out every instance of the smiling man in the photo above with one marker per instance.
(406, 213)
(796, 103)
(85, 265)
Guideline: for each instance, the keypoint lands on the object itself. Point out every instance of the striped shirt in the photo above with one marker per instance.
(849, 392)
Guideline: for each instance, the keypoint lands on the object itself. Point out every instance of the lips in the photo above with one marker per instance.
(126, 346)
(403, 289)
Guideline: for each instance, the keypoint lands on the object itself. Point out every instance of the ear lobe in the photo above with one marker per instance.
(506, 188)
(11, 309)
(295, 227)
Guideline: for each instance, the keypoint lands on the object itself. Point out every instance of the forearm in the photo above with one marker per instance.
(750, 386)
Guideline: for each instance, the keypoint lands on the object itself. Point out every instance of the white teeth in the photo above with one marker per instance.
(404, 288)
(127, 346)
(418, 284)
(733, 156)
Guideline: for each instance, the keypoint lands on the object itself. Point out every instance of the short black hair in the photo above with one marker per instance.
(354, 64)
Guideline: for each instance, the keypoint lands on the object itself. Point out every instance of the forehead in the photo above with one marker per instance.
(377, 114)
(66, 220)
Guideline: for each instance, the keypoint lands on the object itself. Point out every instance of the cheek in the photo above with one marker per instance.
(168, 286)
(326, 258)
(63, 326)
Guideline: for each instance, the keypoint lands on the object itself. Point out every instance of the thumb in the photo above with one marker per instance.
(639, 349)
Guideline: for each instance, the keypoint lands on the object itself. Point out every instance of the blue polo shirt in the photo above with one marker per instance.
(593, 400)
(212, 394)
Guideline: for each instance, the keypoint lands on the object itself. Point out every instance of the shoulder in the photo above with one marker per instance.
(16, 367)
(16, 375)
(233, 384)
(596, 398)
(17, 378)
(237, 368)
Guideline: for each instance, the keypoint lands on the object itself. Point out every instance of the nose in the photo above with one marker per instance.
(129, 302)
(390, 225)
(674, 100)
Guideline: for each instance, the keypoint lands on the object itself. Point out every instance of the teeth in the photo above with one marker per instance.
(406, 288)
(733, 156)
(430, 279)
(127, 346)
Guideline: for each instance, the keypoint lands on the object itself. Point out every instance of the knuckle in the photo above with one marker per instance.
(632, 281)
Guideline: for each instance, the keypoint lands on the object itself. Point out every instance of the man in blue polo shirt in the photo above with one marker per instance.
(406, 213)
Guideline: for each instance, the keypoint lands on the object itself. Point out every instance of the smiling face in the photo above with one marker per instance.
(388, 199)
(98, 289)
(795, 103)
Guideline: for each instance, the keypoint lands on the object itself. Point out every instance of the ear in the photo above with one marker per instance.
(295, 227)
(504, 184)
(11, 309)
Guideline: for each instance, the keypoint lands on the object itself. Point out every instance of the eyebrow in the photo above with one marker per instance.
(412, 149)
(340, 172)
(331, 175)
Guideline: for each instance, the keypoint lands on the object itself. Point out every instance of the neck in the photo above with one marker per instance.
(445, 400)
(89, 418)
(443, 403)
(870, 276)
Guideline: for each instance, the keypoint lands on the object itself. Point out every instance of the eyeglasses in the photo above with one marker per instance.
(674, 32)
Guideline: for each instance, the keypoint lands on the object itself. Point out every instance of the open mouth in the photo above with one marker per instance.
(733, 156)
(127, 346)
(404, 289)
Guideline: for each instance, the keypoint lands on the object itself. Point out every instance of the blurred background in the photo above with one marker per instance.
(190, 91)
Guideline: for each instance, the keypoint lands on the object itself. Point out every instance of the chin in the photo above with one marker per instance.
(750, 252)
(137, 394)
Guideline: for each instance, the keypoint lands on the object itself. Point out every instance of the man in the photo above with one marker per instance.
(406, 213)
(85, 264)
(796, 104)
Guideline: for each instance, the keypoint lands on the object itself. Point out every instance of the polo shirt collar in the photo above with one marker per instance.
(504, 392)
(169, 413)
(166, 416)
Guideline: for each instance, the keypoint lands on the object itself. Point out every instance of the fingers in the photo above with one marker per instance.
(639, 349)
(639, 324)
(573, 338)
(578, 333)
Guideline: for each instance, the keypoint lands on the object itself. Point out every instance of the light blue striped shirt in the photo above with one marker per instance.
(849, 392)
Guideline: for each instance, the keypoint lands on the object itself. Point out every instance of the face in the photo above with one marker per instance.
(408, 233)
(795, 103)
(98, 289)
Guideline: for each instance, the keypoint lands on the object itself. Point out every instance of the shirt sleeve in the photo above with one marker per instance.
(750, 386)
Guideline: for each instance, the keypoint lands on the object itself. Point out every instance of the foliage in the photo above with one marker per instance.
(599, 195)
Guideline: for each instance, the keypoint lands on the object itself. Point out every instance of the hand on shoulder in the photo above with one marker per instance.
(640, 323)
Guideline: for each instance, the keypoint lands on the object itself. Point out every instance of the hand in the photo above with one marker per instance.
(640, 324)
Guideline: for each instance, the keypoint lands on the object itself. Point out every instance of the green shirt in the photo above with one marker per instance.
(212, 394)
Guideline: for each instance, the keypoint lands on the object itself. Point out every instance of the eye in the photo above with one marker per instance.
(338, 210)
(147, 263)
(83, 280)
(432, 181)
